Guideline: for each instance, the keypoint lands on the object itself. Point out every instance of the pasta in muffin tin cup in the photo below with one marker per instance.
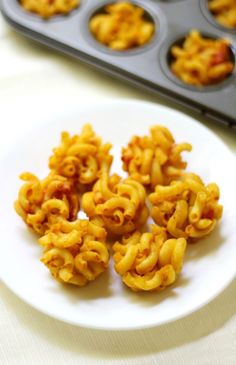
(201, 61)
(47, 9)
(224, 12)
(140, 57)
(122, 26)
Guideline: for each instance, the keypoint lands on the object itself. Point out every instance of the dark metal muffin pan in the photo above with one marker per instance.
(146, 66)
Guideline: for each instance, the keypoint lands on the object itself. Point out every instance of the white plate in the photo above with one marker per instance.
(106, 303)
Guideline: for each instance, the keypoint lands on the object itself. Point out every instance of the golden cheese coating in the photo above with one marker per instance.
(120, 205)
(202, 61)
(41, 202)
(81, 157)
(224, 12)
(122, 26)
(154, 159)
(49, 8)
(186, 208)
(148, 261)
(75, 252)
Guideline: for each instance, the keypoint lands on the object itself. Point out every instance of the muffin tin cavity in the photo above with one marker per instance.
(224, 12)
(47, 9)
(200, 61)
(219, 15)
(122, 26)
(96, 34)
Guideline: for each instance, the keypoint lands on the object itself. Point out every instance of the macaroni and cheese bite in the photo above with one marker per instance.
(202, 61)
(154, 159)
(41, 203)
(49, 8)
(119, 205)
(186, 208)
(75, 252)
(81, 158)
(224, 12)
(122, 26)
(149, 261)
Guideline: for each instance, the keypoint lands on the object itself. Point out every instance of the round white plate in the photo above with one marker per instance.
(106, 303)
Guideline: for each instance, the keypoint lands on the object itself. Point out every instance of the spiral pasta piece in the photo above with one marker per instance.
(41, 202)
(81, 157)
(120, 205)
(186, 208)
(154, 159)
(49, 8)
(75, 252)
(149, 261)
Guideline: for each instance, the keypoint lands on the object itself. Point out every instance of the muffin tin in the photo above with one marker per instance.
(146, 66)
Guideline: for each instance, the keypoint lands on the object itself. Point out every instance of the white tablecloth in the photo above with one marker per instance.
(29, 72)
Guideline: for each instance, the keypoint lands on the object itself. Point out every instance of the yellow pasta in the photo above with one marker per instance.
(224, 12)
(75, 252)
(48, 8)
(202, 61)
(149, 261)
(122, 26)
(81, 157)
(154, 159)
(120, 205)
(41, 202)
(186, 208)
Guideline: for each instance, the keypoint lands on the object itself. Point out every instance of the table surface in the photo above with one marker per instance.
(28, 74)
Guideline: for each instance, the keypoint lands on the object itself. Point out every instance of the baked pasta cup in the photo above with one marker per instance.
(120, 205)
(186, 208)
(224, 12)
(41, 203)
(75, 252)
(154, 159)
(202, 61)
(81, 158)
(49, 8)
(149, 261)
(122, 26)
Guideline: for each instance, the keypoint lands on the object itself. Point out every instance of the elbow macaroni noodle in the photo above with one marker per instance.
(48, 8)
(122, 26)
(154, 159)
(202, 61)
(76, 251)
